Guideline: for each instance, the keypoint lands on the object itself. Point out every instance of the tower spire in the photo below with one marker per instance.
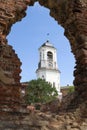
(48, 37)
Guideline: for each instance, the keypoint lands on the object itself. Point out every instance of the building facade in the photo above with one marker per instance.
(48, 67)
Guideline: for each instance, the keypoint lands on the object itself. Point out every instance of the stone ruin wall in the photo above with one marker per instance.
(10, 12)
(70, 14)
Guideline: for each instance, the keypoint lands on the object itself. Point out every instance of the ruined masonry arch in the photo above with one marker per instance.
(71, 14)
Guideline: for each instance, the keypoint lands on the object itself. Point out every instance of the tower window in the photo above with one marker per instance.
(42, 76)
(49, 55)
(43, 55)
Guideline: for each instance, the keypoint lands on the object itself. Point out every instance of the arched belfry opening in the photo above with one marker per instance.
(50, 55)
(71, 15)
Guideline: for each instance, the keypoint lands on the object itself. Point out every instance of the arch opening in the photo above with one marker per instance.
(27, 42)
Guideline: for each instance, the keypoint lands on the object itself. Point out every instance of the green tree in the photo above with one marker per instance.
(40, 91)
(71, 89)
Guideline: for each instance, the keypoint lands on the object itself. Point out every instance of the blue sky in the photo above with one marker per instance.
(29, 34)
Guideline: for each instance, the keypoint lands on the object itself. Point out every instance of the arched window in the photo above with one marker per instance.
(49, 55)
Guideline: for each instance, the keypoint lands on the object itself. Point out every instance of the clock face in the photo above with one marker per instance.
(50, 64)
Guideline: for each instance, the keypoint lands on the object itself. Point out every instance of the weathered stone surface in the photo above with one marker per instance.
(9, 78)
(42, 121)
(72, 15)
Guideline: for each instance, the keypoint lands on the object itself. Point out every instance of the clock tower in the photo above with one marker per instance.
(48, 67)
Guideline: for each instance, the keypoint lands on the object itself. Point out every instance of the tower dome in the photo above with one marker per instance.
(47, 43)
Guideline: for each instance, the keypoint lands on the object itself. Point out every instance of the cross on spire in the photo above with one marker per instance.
(48, 36)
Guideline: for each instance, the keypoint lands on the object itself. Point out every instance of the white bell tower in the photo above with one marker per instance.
(48, 67)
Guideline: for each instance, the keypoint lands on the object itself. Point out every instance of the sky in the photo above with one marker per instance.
(28, 35)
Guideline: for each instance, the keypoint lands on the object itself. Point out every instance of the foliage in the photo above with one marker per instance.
(71, 89)
(40, 91)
